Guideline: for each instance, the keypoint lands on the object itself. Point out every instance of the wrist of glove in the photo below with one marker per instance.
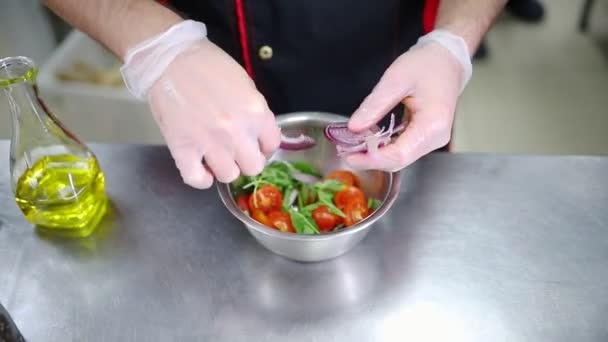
(457, 47)
(145, 63)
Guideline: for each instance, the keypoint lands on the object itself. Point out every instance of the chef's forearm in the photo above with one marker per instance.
(118, 24)
(470, 19)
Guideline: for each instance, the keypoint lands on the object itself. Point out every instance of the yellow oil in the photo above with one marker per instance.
(64, 194)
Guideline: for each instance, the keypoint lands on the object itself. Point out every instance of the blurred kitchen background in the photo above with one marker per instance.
(542, 88)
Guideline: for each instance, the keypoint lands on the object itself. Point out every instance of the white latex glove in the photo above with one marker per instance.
(207, 107)
(428, 79)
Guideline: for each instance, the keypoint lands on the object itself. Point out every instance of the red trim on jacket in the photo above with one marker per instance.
(431, 7)
(242, 26)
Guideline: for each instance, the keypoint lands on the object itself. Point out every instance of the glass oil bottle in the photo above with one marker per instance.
(56, 179)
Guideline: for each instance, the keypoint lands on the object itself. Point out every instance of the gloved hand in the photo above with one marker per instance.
(207, 107)
(428, 79)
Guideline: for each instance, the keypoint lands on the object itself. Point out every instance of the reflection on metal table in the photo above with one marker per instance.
(476, 248)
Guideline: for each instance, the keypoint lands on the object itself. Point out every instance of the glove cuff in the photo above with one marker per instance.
(457, 46)
(146, 62)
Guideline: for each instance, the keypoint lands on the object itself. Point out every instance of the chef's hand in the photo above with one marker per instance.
(215, 122)
(428, 79)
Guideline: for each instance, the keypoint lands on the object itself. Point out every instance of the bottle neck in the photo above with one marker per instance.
(18, 85)
(25, 108)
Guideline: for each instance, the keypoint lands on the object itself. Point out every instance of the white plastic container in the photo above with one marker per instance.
(98, 113)
(24, 31)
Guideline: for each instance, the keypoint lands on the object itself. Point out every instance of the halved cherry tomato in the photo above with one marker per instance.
(325, 219)
(345, 177)
(242, 201)
(267, 199)
(261, 217)
(350, 193)
(355, 211)
(281, 221)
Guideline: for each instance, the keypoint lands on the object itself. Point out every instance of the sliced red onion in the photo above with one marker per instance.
(339, 134)
(300, 142)
(348, 142)
(304, 177)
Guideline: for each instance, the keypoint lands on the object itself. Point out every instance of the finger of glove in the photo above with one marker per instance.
(249, 158)
(222, 164)
(392, 88)
(189, 163)
(270, 135)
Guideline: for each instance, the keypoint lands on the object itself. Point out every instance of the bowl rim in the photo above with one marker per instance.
(394, 187)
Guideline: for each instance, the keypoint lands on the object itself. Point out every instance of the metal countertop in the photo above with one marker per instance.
(476, 248)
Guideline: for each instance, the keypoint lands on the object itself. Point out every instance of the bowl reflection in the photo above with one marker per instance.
(287, 291)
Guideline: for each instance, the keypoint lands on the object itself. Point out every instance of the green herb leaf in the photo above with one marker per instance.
(306, 195)
(330, 185)
(306, 168)
(302, 223)
(327, 199)
(238, 185)
(312, 207)
(301, 195)
(373, 203)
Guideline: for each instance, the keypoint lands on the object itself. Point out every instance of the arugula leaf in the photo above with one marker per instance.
(301, 195)
(302, 223)
(330, 185)
(306, 195)
(238, 185)
(275, 174)
(299, 166)
(373, 203)
(326, 198)
(306, 168)
(312, 207)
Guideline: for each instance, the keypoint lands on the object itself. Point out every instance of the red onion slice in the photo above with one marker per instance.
(339, 134)
(300, 142)
(304, 177)
(348, 142)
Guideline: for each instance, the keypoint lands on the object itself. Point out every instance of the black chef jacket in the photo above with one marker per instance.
(312, 55)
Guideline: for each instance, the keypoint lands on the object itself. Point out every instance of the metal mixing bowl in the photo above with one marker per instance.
(383, 186)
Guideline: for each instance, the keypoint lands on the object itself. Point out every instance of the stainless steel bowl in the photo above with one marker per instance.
(383, 186)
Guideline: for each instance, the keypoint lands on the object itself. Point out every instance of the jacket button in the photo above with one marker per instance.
(265, 52)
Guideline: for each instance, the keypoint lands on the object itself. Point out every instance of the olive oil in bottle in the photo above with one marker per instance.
(63, 192)
(56, 179)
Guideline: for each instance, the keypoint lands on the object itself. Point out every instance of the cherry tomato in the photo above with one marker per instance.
(350, 193)
(261, 217)
(355, 211)
(267, 199)
(281, 221)
(325, 219)
(345, 177)
(242, 201)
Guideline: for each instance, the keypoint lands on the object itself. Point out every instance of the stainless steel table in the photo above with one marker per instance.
(477, 248)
